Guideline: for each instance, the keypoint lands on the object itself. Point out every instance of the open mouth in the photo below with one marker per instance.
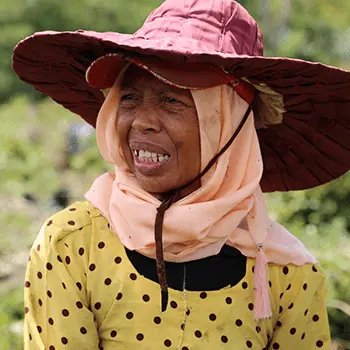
(143, 156)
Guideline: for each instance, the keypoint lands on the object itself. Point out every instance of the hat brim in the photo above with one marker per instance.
(309, 148)
(102, 73)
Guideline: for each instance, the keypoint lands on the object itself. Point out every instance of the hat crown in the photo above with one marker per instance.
(222, 26)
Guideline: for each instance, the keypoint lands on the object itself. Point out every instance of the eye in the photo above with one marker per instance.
(171, 100)
(128, 97)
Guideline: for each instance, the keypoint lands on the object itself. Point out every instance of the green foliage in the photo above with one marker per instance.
(11, 324)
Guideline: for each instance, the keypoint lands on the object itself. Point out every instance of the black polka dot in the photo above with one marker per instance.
(319, 343)
(51, 322)
(30, 336)
(278, 324)
(51, 347)
(146, 298)
(66, 245)
(118, 260)
(65, 312)
(78, 284)
(270, 284)
(305, 286)
(292, 331)
(71, 222)
(285, 270)
(139, 336)
(303, 336)
(101, 245)
(228, 300)
(39, 329)
(83, 330)
(49, 294)
(251, 306)
(59, 259)
(198, 334)
(275, 346)
(81, 251)
(249, 344)
(119, 296)
(97, 306)
(133, 276)
(49, 266)
(314, 269)
(258, 329)
(281, 295)
(305, 312)
(40, 302)
(157, 320)
(113, 334)
(129, 315)
(64, 340)
(203, 295)
(64, 285)
(167, 343)
(212, 317)
(40, 275)
(38, 247)
(173, 304)
(185, 348)
(72, 209)
(182, 326)
(79, 304)
(289, 286)
(27, 284)
(315, 318)
(224, 339)
(280, 309)
(290, 306)
(108, 281)
(92, 267)
(67, 259)
(244, 285)
(26, 309)
(49, 223)
(239, 323)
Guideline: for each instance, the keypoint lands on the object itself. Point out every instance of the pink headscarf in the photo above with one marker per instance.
(228, 208)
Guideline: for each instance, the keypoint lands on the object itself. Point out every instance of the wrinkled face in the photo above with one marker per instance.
(158, 129)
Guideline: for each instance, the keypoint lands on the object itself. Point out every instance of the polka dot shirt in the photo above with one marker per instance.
(81, 289)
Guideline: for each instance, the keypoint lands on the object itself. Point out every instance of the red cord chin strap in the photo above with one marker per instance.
(172, 198)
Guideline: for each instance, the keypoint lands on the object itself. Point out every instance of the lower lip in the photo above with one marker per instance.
(147, 166)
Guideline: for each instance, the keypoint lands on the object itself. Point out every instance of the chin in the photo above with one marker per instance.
(156, 189)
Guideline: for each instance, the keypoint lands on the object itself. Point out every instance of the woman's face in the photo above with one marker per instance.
(158, 129)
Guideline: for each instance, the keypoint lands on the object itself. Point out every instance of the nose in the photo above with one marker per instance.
(146, 120)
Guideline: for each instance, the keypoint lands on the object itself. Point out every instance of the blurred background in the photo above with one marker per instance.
(49, 158)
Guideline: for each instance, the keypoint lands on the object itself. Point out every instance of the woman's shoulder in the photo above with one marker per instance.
(76, 219)
(293, 279)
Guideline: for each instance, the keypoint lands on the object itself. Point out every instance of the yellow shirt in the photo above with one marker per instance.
(82, 292)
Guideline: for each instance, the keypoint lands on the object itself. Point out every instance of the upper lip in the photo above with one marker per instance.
(147, 146)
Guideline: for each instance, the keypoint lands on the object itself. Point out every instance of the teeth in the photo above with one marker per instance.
(150, 156)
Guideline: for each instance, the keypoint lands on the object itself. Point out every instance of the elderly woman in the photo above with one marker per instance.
(175, 249)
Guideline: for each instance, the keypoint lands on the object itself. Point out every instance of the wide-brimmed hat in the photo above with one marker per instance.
(304, 107)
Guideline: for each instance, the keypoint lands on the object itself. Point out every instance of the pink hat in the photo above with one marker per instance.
(303, 107)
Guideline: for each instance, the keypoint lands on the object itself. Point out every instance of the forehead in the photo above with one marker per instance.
(135, 77)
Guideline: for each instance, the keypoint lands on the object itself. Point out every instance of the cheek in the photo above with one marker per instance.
(122, 131)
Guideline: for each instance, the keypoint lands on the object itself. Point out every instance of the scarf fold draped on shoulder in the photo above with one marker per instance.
(228, 208)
